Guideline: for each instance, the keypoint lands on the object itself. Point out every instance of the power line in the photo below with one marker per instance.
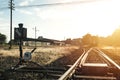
(54, 4)
(57, 4)
(3, 3)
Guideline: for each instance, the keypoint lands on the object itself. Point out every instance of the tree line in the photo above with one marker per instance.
(89, 40)
(2, 38)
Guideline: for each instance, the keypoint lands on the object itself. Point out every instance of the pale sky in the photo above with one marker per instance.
(97, 17)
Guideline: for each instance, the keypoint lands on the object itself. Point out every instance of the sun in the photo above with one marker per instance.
(98, 18)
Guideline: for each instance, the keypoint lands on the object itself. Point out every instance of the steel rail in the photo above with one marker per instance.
(85, 56)
(109, 59)
(96, 77)
(71, 70)
(106, 61)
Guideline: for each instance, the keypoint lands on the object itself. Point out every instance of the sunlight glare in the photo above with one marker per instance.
(98, 18)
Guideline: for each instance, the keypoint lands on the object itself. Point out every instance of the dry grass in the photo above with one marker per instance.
(42, 55)
(13, 52)
(45, 56)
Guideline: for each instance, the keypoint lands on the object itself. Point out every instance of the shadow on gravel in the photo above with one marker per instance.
(67, 59)
(8, 61)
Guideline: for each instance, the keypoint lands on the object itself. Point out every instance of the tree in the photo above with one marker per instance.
(94, 40)
(68, 41)
(76, 42)
(87, 39)
(2, 38)
(116, 37)
(90, 40)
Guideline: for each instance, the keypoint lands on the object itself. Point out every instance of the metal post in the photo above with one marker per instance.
(21, 41)
(21, 52)
(35, 37)
(11, 8)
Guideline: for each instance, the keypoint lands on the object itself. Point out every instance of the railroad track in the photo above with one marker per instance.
(33, 73)
(93, 64)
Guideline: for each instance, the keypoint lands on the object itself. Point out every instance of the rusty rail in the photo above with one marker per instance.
(109, 59)
(68, 74)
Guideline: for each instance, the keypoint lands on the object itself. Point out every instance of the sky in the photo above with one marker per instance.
(74, 20)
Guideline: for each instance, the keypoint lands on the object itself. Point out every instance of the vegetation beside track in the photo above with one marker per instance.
(113, 53)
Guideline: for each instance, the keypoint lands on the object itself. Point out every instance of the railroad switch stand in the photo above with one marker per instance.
(20, 35)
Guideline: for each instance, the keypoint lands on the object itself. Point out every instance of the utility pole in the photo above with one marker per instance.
(11, 6)
(35, 35)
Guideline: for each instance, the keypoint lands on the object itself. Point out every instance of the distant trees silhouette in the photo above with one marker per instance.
(89, 40)
(76, 41)
(68, 41)
(2, 38)
(115, 37)
(112, 40)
